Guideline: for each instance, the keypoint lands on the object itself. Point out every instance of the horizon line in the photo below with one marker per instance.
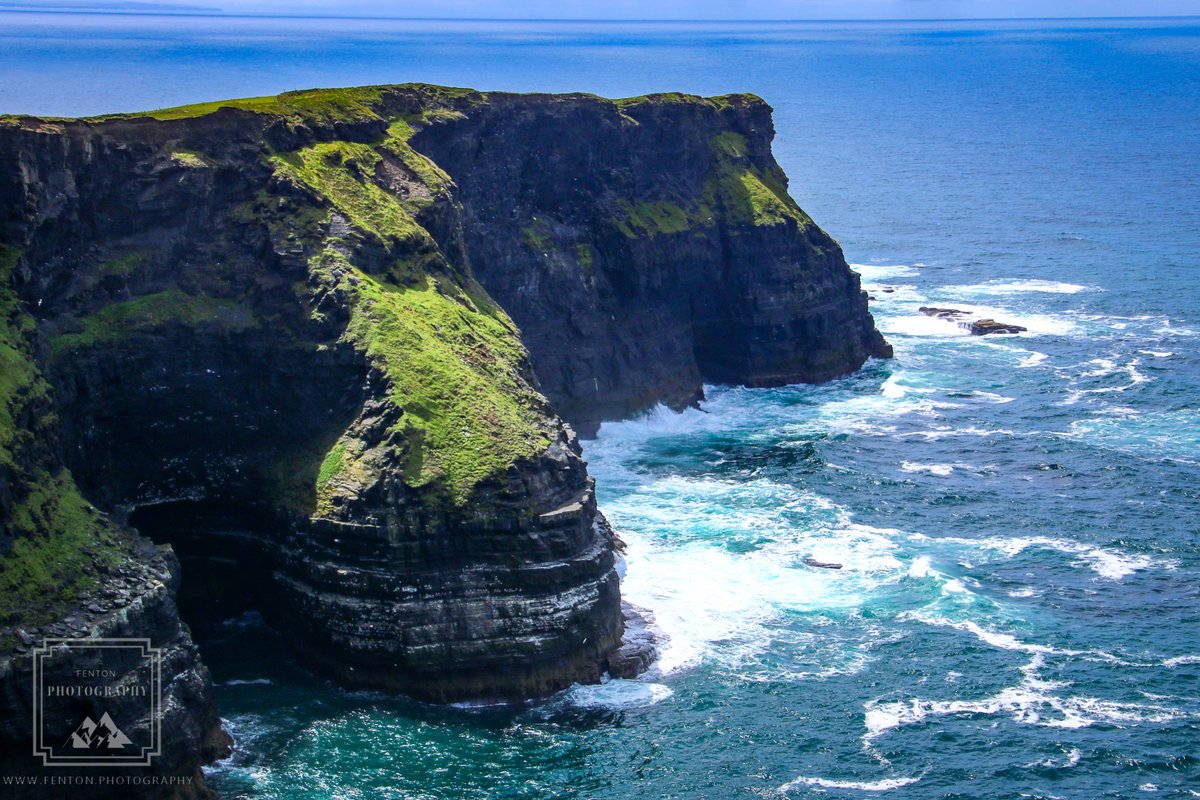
(117, 12)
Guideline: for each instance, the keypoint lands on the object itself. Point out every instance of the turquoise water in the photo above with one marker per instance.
(1019, 612)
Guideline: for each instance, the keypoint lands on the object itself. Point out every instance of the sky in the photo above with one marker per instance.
(649, 9)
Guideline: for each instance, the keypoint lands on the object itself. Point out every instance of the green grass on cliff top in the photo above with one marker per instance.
(365, 102)
(453, 366)
(327, 105)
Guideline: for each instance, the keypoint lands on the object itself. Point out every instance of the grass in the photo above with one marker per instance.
(658, 218)
(719, 102)
(453, 365)
(331, 466)
(538, 237)
(744, 192)
(61, 541)
(452, 360)
(58, 537)
(189, 158)
(149, 312)
(123, 265)
(19, 378)
(342, 172)
(736, 190)
(587, 258)
(353, 104)
(429, 173)
(326, 105)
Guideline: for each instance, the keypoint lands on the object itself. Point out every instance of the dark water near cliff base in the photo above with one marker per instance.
(1019, 612)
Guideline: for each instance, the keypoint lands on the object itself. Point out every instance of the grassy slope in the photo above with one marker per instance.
(451, 358)
(60, 540)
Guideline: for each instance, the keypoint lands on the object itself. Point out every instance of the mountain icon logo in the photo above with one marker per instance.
(102, 735)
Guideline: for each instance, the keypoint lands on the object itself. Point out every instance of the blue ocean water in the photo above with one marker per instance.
(1018, 517)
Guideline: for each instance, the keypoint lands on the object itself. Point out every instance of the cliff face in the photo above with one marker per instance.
(255, 331)
(646, 245)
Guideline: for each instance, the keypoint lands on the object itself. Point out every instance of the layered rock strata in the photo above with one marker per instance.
(268, 330)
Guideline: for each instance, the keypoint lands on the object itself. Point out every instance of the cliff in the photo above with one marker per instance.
(275, 333)
(647, 245)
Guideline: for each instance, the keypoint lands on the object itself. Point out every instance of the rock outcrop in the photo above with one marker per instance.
(977, 327)
(259, 331)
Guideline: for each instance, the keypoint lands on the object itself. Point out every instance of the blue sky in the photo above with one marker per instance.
(662, 9)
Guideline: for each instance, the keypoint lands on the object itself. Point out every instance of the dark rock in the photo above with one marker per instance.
(942, 313)
(985, 327)
(812, 562)
(604, 231)
(982, 327)
(639, 645)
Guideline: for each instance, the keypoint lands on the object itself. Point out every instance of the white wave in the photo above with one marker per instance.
(991, 397)
(617, 695)
(875, 272)
(1170, 434)
(1104, 562)
(921, 568)
(1032, 360)
(1018, 287)
(1156, 353)
(1003, 641)
(715, 604)
(1032, 702)
(862, 786)
(945, 432)
(1072, 759)
(1178, 661)
(477, 705)
(1045, 324)
(917, 324)
(933, 469)
(1168, 328)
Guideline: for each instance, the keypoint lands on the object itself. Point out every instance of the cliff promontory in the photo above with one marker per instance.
(319, 343)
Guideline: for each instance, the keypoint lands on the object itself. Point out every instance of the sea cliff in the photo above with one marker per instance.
(320, 344)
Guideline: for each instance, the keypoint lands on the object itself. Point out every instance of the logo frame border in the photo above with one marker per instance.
(40, 749)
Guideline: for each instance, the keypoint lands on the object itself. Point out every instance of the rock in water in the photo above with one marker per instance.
(942, 313)
(284, 313)
(984, 327)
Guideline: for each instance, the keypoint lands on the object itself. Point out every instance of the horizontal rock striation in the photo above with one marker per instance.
(647, 245)
(259, 331)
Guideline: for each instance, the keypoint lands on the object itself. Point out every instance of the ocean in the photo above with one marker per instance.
(1018, 613)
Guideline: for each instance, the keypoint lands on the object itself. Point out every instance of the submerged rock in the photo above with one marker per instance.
(981, 327)
(942, 313)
